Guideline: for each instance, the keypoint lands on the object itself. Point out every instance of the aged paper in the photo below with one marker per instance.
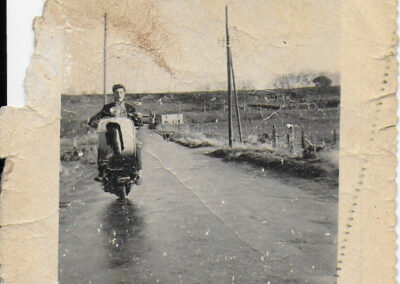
(316, 84)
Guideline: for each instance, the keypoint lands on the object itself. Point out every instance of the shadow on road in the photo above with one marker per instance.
(122, 225)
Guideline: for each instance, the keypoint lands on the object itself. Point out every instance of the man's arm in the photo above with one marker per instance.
(132, 114)
(94, 121)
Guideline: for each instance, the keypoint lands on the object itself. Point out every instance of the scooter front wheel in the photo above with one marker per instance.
(122, 193)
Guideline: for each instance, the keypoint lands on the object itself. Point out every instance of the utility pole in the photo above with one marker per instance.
(104, 59)
(228, 59)
(236, 101)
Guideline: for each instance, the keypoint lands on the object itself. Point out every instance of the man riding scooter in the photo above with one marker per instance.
(119, 108)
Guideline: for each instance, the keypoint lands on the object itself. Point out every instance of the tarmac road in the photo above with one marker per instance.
(196, 219)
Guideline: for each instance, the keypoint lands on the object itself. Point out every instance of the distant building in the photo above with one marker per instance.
(172, 118)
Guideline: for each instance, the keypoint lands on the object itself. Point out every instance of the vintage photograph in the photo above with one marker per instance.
(199, 142)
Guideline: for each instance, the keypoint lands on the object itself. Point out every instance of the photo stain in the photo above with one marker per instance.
(147, 33)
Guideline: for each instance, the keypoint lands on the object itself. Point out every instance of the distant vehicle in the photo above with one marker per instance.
(147, 119)
(152, 126)
(139, 119)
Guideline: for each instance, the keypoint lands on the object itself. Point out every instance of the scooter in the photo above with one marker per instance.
(117, 155)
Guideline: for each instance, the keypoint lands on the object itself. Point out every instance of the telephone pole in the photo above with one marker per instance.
(104, 59)
(228, 59)
(236, 102)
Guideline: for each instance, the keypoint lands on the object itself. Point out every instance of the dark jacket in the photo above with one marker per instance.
(106, 112)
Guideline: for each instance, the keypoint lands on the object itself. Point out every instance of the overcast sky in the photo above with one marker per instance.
(178, 45)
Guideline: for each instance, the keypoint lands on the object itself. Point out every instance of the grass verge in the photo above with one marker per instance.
(305, 168)
(321, 168)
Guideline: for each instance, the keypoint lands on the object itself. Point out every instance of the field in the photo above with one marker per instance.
(291, 124)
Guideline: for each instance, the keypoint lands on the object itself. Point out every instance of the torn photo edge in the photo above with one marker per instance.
(29, 140)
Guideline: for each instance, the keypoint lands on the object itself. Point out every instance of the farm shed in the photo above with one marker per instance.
(172, 118)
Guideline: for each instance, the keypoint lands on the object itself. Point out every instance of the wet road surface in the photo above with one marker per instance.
(196, 219)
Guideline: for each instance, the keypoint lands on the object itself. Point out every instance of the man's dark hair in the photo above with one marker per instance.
(118, 86)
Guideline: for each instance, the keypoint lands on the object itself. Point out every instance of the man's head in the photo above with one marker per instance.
(119, 92)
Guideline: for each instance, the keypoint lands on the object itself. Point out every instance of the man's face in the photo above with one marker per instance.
(119, 95)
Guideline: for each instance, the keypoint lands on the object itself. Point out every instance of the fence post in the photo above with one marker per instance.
(292, 139)
(273, 136)
(288, 140)
(313, 143)
(334, 136)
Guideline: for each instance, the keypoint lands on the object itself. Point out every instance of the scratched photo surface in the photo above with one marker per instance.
(235, 109)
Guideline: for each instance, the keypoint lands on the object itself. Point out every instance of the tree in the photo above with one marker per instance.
(322, 82)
